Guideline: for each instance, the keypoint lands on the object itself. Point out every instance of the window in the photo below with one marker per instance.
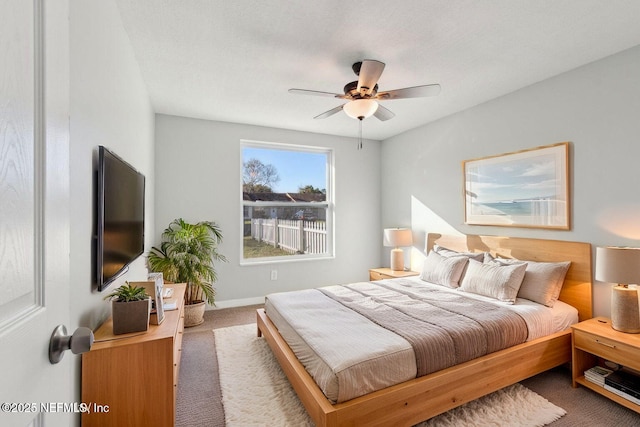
(287, 202)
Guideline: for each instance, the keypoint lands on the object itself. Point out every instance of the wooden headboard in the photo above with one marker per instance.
(576, 290)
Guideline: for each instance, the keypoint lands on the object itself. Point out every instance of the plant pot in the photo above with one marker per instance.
(130, 316)
(194, 314)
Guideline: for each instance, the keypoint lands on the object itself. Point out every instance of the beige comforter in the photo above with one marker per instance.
(362, 337)
(443, 329)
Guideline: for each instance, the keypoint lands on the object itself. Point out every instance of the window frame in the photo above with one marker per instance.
(328, 204)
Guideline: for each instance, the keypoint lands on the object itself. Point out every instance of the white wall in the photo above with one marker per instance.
(594, 107)
(109, 106)
(198, 178)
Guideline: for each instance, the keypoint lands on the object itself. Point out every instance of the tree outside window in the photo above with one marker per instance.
(287, 208)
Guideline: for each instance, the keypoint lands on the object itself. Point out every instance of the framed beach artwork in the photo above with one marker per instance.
(528, 188)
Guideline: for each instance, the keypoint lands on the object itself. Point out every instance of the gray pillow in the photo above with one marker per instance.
(443, 270)
(542, 281)
(499, 281)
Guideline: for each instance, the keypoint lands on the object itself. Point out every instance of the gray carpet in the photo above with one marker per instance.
(199, 400)
(199, 397)
(584, 407)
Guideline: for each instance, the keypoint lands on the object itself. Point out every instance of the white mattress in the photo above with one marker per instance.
(349, 356)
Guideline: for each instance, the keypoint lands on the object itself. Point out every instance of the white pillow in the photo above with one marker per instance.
(478, 256)
(497, 281)
(542, 281)
(443, 270)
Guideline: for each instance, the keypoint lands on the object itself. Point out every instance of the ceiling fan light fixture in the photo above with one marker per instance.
(360, 108)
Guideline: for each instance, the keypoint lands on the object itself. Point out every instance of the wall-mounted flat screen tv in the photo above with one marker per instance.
(120, 216)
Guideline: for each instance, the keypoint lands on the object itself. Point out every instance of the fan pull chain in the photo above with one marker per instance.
(360, 133)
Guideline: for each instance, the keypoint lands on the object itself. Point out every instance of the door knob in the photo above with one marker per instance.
(80, 342)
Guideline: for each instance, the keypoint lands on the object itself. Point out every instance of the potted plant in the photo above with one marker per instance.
(186, 255)
(130, 309)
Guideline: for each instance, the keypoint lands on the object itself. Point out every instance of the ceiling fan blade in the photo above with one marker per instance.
(383, 114)
(370, 72)
(330, 112)
(410, 92)
(316, 93)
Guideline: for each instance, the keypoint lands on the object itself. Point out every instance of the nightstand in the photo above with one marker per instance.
(595, 338)
(387, 273)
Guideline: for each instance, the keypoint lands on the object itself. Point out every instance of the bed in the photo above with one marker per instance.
(417, 399)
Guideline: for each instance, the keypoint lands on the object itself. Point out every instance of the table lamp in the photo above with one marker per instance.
(397, 237)
(621, 265)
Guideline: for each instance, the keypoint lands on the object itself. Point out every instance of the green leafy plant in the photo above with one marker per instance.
(128, 293)
(186, 254)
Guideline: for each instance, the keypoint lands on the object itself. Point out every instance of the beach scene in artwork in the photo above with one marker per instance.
(527, 188)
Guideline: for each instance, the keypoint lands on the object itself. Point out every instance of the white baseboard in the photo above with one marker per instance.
(236, 303)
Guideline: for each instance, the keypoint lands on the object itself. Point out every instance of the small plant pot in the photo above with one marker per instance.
(130, 316)
(194, 314)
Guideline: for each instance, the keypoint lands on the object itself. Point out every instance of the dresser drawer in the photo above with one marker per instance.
(607, 348)
(177, 349)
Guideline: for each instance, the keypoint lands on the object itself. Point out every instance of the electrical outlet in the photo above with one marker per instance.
(274, 274)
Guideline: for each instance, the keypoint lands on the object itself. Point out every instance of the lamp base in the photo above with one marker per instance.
(397, 259)
(625, 315)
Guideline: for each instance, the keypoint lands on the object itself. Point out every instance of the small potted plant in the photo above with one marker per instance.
(130, 309)
(186, 255)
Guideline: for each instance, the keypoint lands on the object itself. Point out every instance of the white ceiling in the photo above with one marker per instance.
(234, 60)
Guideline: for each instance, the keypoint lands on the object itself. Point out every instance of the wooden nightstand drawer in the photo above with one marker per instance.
(375, 275)
(607, 348)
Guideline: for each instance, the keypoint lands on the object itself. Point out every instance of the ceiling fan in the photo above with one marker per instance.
(363, 96)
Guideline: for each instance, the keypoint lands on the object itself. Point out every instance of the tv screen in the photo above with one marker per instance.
(120, 216)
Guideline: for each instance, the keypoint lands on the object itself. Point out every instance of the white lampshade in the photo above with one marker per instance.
(618, 265)
(360, 108)
(621, 265)
(396, 237)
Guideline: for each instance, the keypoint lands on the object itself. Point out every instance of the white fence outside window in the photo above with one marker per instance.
(292, 236)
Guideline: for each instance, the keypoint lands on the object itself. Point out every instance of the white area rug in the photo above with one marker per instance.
(255, 392)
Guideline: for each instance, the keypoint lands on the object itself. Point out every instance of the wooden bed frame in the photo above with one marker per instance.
(419, 399)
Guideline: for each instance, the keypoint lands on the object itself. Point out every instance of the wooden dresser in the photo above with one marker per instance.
(131, 379)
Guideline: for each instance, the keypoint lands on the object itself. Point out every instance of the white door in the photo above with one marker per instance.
(34, 211)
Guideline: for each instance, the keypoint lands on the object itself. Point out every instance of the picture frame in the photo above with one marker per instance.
(154, 287)
(527, 188)
(158, 281)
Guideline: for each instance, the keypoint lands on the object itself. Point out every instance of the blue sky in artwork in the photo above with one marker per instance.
(295, 168)
(516, 180)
